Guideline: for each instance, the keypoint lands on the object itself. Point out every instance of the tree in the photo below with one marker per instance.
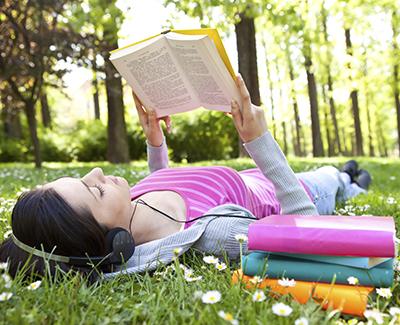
(329, 81)
(103, 19)
(395, 82)
(354, 97)
(241, 15)
(31, 42)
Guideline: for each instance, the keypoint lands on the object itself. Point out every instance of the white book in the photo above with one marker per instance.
(175, 72)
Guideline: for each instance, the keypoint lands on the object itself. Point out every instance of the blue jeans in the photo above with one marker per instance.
(328, 186)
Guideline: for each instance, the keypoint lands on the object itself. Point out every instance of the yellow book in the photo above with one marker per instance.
(346, 298)
(178, 71)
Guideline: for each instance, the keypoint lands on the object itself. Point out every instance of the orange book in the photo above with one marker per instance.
(348, 299)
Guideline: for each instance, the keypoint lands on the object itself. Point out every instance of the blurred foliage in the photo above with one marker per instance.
(203, 135)
(197, 136)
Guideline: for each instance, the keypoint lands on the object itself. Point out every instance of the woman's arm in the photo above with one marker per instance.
(157, 151)
(261, 146)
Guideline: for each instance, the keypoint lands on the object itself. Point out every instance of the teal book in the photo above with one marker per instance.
(276, 267)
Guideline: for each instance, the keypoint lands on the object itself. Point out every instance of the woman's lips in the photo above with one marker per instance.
(114, 179)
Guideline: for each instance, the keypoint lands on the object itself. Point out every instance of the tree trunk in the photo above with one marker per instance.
(11, 121)
(396, 91)
(354, 102)
(117, 143)
(330, 83)
(381, 139)
(345, 148)
(318, 150)
(45, 110)
(367, 106)
(247, 57)
(271, 90)
(331, 149)
(95, 85)
(30, 115)
(297, 144)
(370, 142)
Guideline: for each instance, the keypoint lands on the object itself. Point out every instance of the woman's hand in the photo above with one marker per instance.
(151, 124)
(250, 122)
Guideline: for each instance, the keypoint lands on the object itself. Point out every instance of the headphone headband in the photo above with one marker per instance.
(121, 248)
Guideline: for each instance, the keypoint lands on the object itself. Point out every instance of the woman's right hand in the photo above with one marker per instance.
(151, 124)
(250, 120)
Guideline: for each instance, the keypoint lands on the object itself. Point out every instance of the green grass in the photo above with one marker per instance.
(165, 297)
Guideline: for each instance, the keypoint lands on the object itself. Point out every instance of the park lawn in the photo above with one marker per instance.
(165, 296)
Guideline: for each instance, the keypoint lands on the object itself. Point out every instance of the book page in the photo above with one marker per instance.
(201, 71)
(156, 78)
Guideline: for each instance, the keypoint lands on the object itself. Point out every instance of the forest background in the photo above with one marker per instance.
(326, 71)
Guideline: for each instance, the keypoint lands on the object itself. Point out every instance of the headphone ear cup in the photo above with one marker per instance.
(121, 244)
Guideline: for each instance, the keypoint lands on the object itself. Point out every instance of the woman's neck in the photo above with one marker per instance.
(148, 225)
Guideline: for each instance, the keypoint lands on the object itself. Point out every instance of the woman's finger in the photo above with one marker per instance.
(139, 107)
(236, 115)
(167, 121)
(246, 100)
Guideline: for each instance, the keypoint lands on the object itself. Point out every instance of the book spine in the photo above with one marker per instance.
(321, 241)
(277, 268)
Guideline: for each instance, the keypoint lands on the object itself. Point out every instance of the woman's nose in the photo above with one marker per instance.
(96, 174)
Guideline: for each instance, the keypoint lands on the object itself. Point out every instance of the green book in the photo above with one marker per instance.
(275, 266)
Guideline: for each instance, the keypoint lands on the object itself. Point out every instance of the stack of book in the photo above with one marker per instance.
(335, 260)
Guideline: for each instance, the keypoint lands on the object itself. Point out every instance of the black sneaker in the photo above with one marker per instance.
(351, 168)
(364, 179)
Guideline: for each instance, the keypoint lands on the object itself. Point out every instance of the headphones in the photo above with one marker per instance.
(120, 244)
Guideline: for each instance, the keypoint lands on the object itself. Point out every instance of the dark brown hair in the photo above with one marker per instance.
(42, 218)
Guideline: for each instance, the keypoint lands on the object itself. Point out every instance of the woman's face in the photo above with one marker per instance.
(108, 197)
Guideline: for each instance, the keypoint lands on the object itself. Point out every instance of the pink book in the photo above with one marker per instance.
(324, 235)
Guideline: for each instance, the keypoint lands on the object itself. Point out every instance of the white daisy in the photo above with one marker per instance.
(210, 259)
(34, 285)
(391, 200)
(177, 251)
(220, 266)
(285, 282)
(394, 311)
(211, 297)
(5, 296)
(281, 309)
(7, 280)
(228, 317)
(256, 279)
(301, 321)
(374, 314)
(258, 296)
(384, 292)
(241, 238)
(190, 278)
(352, 280)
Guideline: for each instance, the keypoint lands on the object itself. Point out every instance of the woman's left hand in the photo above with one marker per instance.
(250, 121)
(151, 124)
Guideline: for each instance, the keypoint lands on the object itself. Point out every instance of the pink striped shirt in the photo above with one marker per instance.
(203, 188)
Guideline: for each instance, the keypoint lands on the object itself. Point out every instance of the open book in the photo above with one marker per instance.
(179, 71)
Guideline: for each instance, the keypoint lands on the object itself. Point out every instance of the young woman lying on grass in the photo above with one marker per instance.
(71, 216)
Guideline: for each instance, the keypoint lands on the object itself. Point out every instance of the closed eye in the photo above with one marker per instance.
(100, 188)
